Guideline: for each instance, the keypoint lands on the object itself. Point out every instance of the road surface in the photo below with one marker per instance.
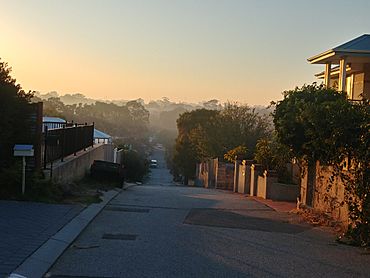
(163, 230)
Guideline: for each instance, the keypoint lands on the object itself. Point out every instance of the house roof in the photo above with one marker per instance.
(356, 49)
(101, 135)
(53, 119)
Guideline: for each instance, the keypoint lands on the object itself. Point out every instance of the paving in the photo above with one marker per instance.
(163, 230)
(25, 226)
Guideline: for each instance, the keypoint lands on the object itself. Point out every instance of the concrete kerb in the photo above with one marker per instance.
(127, 185)
(36, 265)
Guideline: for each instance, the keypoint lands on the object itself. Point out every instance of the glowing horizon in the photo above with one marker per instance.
(188, 51)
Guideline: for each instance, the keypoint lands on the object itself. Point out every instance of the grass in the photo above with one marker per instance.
(87, 190)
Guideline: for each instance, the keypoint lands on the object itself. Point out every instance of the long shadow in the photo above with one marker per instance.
(228, 219)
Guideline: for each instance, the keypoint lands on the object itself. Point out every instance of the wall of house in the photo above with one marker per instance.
(366, 91)
(76, 167)
(358, 85)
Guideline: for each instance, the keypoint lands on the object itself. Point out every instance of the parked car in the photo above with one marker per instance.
(153, 163)
(101, 169)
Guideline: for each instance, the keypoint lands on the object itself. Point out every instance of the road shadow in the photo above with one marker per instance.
(228, 219)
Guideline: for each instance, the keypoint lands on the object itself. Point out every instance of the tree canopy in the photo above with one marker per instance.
(14, 107)
(205, 134)
(125, 121)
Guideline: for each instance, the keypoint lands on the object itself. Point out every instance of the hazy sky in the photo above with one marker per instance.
(189, 50)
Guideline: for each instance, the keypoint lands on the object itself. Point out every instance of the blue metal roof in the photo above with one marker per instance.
(53, 119)
(361, 44)
(101, 135)
(358, 47)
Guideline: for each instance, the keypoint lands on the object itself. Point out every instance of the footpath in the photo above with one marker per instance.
(34, 235)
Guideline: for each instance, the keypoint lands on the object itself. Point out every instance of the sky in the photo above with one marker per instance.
(189, 50)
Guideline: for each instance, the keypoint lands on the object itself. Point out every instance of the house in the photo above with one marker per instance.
(101, 137)
(52, 123)
(55, 122)
(347, 67)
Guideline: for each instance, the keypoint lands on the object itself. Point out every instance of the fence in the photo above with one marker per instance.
(54, 125)
(67, 140)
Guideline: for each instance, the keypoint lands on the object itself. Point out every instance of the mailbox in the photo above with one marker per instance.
(23, 150)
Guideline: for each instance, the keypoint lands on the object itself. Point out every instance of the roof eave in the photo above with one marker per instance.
(317, 59)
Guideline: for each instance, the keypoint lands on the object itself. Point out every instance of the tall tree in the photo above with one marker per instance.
(13, 106)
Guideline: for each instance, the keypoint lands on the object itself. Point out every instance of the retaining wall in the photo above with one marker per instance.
(76, 167)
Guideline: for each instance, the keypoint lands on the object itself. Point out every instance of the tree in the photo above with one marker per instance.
(242, 126)
(240, 152)
(204, 134)
(317, 123)
(195, 140)
(14, 108)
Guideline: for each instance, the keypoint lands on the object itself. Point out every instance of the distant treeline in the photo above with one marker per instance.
(126, 121)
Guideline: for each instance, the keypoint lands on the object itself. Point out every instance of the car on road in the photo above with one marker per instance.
(153, 163)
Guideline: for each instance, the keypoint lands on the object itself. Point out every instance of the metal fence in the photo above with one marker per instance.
(67, 140)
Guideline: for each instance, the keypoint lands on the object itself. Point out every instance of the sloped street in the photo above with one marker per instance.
(164, 230)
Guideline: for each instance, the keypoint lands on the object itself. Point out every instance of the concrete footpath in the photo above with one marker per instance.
(279, 206)
(34, 235)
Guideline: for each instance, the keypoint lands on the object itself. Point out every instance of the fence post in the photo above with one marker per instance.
(84, 136)
(75, 141)
(93, 129)
(45, 145)
(63, 142)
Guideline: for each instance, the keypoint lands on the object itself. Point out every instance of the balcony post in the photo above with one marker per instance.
(342, 74)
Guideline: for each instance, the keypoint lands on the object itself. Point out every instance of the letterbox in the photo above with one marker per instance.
(23, 150)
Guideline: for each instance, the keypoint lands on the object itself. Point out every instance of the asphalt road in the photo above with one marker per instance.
(163, 230)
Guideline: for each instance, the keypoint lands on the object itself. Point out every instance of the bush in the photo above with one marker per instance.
(37, 187)
(10, 181)
(136, 166)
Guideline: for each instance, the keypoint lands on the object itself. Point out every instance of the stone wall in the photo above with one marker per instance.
(329, 196)
(328, 192)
